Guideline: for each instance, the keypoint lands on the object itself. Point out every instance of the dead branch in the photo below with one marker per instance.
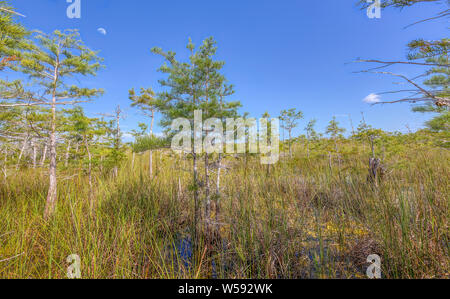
(428, 96)
(12, 12)
(440, 15)
(13, 257)
(390, 63)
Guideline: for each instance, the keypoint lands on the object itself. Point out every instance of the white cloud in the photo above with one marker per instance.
(372, 99)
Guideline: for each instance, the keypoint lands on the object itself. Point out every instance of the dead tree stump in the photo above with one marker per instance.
(376, 171)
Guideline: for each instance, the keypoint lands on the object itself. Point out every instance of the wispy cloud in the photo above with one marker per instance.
(372, 99)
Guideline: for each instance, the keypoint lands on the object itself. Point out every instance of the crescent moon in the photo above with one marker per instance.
(102, 31)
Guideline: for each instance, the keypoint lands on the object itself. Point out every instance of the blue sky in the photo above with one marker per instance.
(278, 54)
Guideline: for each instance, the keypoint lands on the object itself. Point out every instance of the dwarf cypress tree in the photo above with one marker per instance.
(146, 101)
(13, 36)
(53, 64)
(195, 85)
(290, 120)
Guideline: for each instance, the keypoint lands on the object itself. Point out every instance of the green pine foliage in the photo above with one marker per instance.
(13, 37)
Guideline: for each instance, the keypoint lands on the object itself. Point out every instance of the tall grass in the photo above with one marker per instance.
(302, 219)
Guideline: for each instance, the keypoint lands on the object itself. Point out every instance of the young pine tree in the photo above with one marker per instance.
(13, 36)
(147, 103)
(290, 120)
(335, 132)
(57, 60)
(311, 134)
(191, 86)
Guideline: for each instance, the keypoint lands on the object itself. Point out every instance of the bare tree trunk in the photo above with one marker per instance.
(284, 137)
(196, 195)
(44, 155)
(150, 162)
(132, 161)
(307, 148)
(219, 170)
(118, 133)
(67, 153)
(351, 124)
(290, 143)
(372, 145)
(375, 169)
(24, 146)
(207, 194)
(152, 123)
(330, 161)
(52, 190)
(91, 194)
(34, 153)
(337, 153)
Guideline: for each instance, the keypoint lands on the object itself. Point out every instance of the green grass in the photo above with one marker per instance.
(302, 220)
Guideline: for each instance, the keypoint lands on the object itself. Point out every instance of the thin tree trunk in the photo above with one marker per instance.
(44, 155)
(180, 190)
(330, 162)
(351, 124)
(196, 195)
(34, 154)
(67, 154)
(218, 194)
(207, 193)
(372, 145)
(150, 162)
(52, 190)
(132, 161)
(118, 112)
(290, 143)
(91, 195)
(284, 138)
(22, 150)
(152, 123)
(307, 147)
